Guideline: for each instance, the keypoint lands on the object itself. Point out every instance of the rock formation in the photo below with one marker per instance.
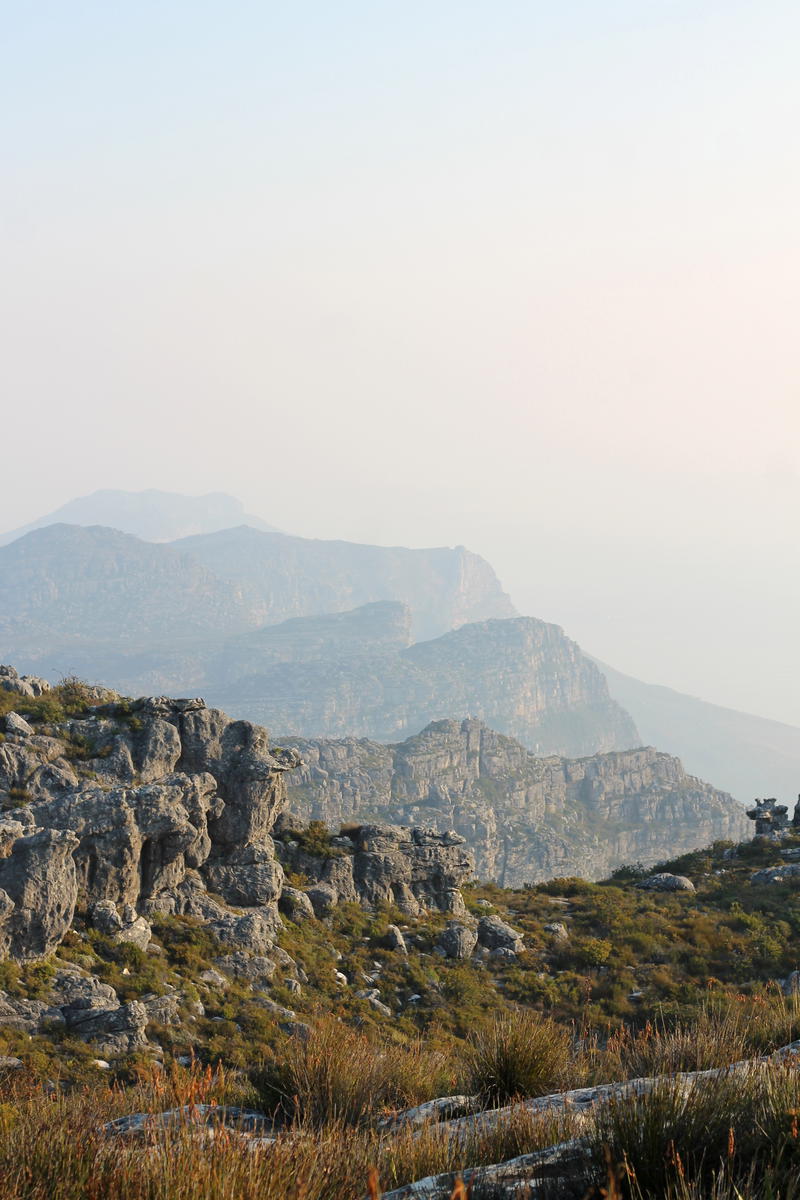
(525, 818)
(126, 809)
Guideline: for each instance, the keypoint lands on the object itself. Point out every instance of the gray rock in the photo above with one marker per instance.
(664, 882)
(162, 1010)
(558, 931)
(395, 939)
(457, 940)
(775, 874)
(295, 904)
(323, 898)
(205, 1118)
(17, 726)
(256, 968)
(38, 893)
(115, 1031)
(495, 934)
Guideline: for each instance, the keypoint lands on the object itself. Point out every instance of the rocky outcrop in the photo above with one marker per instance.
(414, 869)
(132, 808)
(524, 818)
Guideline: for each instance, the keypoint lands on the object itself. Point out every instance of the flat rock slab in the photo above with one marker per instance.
(208, 1120)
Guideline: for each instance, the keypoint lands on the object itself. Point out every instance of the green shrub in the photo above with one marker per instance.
(515, 1056)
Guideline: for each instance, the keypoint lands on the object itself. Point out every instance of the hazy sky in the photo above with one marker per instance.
(522, 276)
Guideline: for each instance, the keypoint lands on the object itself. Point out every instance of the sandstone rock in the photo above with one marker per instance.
(256, 969)
(457, 940)
(23, 685)
(322, 898)
(17, 726)
(295, 904)
(495, 934)
(775, 874)
(206, 1118)
(162, 1010)
(395, 939)
(664, 882)
(38, 892)
(115, 1031)
(510, 804)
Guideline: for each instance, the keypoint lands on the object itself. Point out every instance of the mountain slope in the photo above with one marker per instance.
(745, 754)
(523, 676)
(151, 515)
(296, 577)
(524, 818)
(107, 605)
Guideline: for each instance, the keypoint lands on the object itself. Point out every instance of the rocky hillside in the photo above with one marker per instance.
(522, 676)
(524, 818)
(117, 812)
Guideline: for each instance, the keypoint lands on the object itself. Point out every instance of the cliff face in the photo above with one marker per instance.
(285, 577)
(167, 806)
(522, 676)
(142, 616)
(525, 818)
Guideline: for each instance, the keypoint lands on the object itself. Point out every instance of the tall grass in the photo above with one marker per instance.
(723, 1031)
(517, 1056)
(723, 1132)
(340, 1074)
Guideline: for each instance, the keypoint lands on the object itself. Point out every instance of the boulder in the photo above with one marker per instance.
(295, 904)
(17, 726)
(38, 893)
(665, 882)
(457, 940)
(495, 934)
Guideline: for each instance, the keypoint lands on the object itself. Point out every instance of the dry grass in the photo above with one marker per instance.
(722, 1032)
(52, 1148)
(515, 1056)
(339, 1074)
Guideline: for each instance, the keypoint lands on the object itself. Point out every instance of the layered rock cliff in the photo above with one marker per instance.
(130, 808)
(525, 818)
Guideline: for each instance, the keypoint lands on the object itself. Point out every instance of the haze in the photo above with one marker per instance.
(518, 276)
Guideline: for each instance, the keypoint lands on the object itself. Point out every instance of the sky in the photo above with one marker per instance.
(519, 276)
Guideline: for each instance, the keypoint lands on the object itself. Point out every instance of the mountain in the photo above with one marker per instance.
(524, 818)
(151, 515)
(101, 603)
(382, 627)
(520, 675)
(747, 755)
(287, 576)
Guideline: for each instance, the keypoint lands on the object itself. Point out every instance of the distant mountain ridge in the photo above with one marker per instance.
(745, 754)
(285, 576)
(152, 515)
(521, 675)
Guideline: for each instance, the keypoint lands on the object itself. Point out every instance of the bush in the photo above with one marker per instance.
(516, 1056)
(340, 1074)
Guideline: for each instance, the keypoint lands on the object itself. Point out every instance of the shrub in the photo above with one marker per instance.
(340, 1074)
(524, 1054)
